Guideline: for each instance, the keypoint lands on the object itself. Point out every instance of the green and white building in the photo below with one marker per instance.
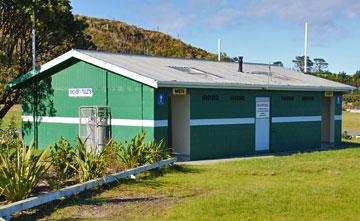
(202, 109)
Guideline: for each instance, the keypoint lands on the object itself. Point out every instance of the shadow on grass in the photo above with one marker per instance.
(89, 197)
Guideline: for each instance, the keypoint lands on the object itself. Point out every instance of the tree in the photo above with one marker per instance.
(278, 63)
(299, 63)
(57, 32)
(356, 78)
(320, 64)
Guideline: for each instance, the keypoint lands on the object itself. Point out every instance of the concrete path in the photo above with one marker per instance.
(268, 155)
(210, 162)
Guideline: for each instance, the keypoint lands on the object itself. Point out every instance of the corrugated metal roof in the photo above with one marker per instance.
(175, 72)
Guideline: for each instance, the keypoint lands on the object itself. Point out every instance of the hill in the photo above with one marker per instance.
(116, 36)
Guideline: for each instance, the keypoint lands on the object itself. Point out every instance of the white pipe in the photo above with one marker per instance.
(306, 47)
(219, 49)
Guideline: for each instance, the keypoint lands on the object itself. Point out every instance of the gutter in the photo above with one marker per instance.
(252, 86)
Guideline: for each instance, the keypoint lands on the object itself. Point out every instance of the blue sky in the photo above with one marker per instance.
(260, 30)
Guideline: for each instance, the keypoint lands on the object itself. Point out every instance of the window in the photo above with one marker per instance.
(210, 97)
(287, 98)
(308, 98)
(195, 71)
(188, 70)
(237, 98)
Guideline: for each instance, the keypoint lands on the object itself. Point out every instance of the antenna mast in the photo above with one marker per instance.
(219, 49)
(306, 47)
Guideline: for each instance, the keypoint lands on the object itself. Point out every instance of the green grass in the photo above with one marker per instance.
(311, 186)
(351, 121)
(14, 113)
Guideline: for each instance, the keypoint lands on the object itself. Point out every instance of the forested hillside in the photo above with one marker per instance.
(116, 36)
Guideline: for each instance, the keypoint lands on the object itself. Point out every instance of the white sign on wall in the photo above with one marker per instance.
(262, 109)
(80, 92)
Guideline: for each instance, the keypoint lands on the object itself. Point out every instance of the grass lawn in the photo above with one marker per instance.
(351, 121)
(14, 113)
(310, 186)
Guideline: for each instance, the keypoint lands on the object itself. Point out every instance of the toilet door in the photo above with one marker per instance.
(262, 124)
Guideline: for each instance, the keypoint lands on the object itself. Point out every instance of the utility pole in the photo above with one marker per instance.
(35, 86)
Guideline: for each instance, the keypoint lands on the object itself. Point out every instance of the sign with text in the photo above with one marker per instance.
(329, 93)
(262, 109)
(179, 91)
(80, 92)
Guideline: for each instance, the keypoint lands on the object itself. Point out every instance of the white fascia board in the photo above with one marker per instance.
(251, 86)
(102, 64)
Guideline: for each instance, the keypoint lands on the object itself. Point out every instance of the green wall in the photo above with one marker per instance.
(219, 141)
(128, 100)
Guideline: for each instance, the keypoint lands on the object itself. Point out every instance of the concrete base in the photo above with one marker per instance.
(181, 157)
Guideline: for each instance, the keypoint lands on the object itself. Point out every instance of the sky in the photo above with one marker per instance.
(262, 31)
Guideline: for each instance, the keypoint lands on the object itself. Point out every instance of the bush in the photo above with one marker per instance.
(63, 160)
(138, 153)
(157, 151)
(21, 171)
(134, 153)
(8, 137)
(91, 165)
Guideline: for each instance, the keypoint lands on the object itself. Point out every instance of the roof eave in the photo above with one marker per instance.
(86, 58)
(252, 86)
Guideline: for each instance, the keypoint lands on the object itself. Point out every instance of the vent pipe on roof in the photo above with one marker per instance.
(240, 64)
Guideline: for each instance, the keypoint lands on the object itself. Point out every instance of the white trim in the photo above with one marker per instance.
(139, 123)
(338, 117)
(101, 64)
(60, 120)
(222, 121)
(295, 119)
(114, 122)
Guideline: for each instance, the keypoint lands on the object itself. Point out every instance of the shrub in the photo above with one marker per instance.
(21, 171)
(137, 153)
(157, 151)
(63, 160)
(90, 165)
(134, 153)
(8, 137)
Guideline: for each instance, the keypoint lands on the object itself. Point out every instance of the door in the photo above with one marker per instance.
(262, 124)
(328, 121)
(180, 124)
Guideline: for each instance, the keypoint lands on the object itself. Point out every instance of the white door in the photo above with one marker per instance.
(180, 124)
(262, 124)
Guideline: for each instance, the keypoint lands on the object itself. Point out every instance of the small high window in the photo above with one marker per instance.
(237, 98)
(210, 97)
(287, 98)
(308, 98)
